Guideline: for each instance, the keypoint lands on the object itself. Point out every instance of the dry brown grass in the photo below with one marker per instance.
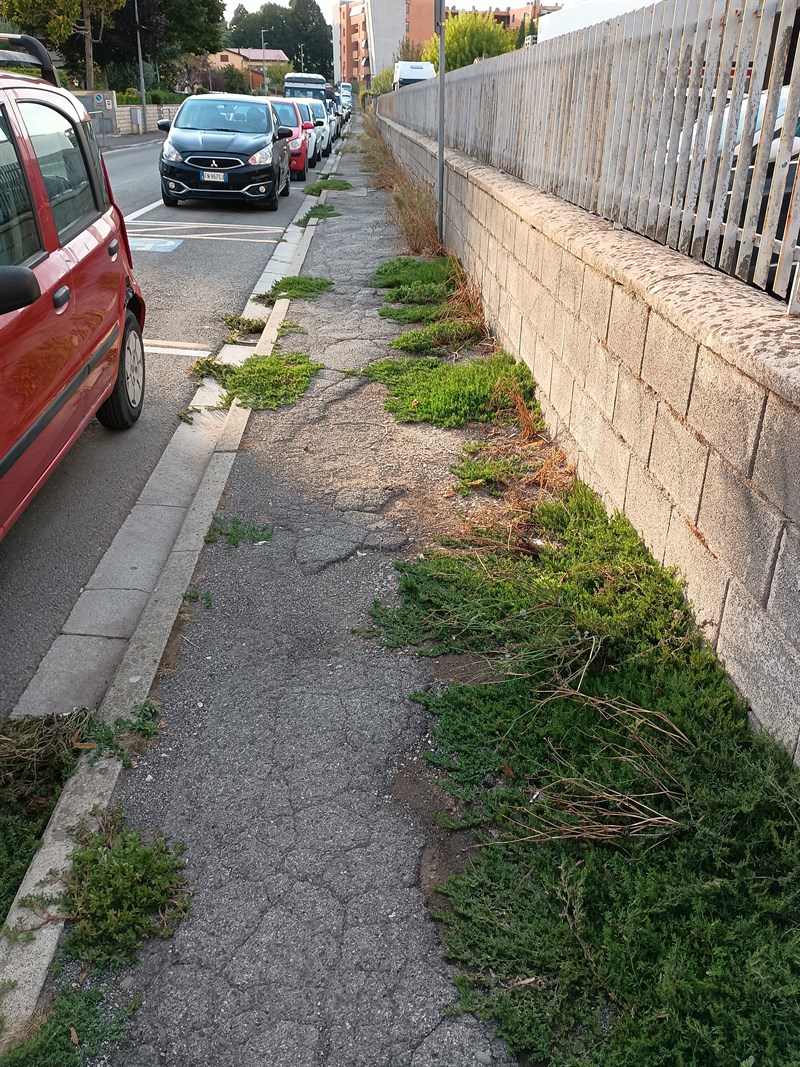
(413, 205)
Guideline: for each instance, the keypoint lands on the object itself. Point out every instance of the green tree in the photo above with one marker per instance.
(56, 21)
(522, 33)
(467, 37)
(276, 72)
(408, 51)
(287, 28)
(314, 33)
(382, 81)
(233, 80)
(193, 26)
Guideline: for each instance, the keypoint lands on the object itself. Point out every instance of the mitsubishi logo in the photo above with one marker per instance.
(213, 163)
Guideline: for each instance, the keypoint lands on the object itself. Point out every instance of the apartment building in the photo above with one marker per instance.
(389, 21)
(511, 17)
(352, 57)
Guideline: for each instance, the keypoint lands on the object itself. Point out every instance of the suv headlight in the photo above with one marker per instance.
(295, 143)
(169, 152)
(258, 159)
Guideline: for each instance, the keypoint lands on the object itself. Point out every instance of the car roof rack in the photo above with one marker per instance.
(33, 54)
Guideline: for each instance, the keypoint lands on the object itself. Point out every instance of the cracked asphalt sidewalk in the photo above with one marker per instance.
(308, 941)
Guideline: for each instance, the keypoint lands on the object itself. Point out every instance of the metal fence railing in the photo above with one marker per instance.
(678, 121)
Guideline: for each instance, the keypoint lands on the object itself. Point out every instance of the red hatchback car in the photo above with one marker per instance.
(289, 115)
(71, 313)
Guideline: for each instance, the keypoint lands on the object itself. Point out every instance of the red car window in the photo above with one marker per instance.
(19, 233)
(66, 178)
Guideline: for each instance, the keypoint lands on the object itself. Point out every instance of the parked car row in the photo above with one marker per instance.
(222, 146)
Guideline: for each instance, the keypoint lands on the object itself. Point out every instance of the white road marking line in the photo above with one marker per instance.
(171, 344)
(144, 210)
(169, 224)
(163, 350)
(156, 240)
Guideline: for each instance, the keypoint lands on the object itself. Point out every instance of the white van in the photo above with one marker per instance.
(410, 73)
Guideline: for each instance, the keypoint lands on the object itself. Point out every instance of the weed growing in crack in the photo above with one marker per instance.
(187, 415)
(337, 184)
(412, 312)
(319, 211)
(128, 737)
(234, 531)
(75, 1028)
(448, 394)
(261, 382)
(407, 271)
(296, 288)
(241, 327)
(121, 891)
(447, 334)
(194, 595)
(287, 327)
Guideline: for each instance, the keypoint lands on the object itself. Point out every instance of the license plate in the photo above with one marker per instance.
(214, 176)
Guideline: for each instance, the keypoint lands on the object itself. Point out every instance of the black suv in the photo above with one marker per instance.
(225, 147)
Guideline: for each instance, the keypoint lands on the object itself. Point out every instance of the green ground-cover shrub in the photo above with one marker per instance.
(634, 897)
(452, 394)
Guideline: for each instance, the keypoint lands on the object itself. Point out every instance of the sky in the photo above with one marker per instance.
(327, 6)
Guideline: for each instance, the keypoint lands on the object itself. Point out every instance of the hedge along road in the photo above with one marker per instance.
(194, 264)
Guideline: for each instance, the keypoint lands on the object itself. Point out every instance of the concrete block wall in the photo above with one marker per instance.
(154, 113)
(675, 389)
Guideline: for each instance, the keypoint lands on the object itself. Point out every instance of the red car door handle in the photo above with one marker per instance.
(61, 296)
(113, 247)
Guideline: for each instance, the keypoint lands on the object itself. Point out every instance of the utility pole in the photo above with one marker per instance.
(264, 63)
(441, 15)
(302, 59)
(142, 90)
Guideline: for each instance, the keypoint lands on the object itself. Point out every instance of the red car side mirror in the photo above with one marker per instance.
(308, 125)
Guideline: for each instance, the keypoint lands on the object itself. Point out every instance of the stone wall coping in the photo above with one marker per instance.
(734, 320)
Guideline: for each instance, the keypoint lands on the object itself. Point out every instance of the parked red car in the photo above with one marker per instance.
(289, 115)
(71, 313)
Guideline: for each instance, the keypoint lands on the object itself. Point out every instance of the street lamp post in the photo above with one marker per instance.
(264, 62)
(441, 15)
(142, 90)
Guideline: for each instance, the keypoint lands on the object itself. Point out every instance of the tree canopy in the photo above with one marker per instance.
(169, 28)
(287, 28)
(467, 37)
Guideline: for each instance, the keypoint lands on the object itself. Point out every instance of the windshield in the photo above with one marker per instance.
(286, 114)
(225, 116)
(304, 111)
(304, 90)
(319, 109)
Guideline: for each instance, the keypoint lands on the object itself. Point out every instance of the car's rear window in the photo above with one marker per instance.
(286, 113)
(224, 116)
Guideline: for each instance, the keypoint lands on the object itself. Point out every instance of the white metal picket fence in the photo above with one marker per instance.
(678, 121)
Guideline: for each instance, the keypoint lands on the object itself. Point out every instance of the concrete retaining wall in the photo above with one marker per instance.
(154, 113)
(675, 389)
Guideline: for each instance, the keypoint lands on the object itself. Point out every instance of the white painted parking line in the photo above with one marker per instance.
(167, 224)
(144, 210)
(171, 344)
(175, 350)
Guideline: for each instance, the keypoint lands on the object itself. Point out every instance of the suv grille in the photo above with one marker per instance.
(214, 162)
